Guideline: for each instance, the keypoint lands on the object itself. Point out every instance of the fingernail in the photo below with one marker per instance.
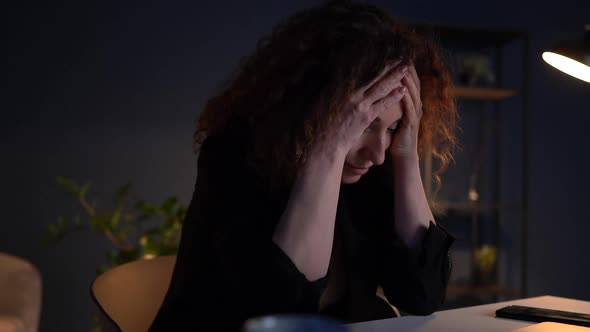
(405, 69)
(404, 89)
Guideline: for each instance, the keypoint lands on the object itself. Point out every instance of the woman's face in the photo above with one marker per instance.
(371, 147)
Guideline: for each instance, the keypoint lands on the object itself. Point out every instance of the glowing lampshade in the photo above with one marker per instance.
(572, 57)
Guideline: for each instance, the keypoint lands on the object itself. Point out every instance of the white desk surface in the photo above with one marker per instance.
(479, 318)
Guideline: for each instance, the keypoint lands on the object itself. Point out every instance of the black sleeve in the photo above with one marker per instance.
(414, 280)
(227, 257)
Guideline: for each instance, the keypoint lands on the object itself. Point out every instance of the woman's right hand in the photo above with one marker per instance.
(365, 105)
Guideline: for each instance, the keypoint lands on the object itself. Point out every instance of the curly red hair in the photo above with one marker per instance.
(320, 56)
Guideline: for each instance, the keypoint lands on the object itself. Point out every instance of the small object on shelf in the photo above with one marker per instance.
(475, 70)
(484, 259)
(473, 195)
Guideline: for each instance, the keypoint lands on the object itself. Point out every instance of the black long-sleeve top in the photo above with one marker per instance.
(228, 268)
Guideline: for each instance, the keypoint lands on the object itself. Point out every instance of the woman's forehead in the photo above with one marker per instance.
(390, 116)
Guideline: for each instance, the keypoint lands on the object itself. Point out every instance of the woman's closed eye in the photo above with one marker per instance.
(390, 130)
(375, 127)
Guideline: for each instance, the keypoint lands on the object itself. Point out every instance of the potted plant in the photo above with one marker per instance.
(484, 258)
(135, 228)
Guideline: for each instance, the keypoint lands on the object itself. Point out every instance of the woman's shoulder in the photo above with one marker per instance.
(228, 153)
(227, 145)
(226, 170)
(232, 136)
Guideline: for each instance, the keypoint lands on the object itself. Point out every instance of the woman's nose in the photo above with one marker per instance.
(377, 147)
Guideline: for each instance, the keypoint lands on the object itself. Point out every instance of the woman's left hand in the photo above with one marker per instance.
(405, 140)
(412, 214)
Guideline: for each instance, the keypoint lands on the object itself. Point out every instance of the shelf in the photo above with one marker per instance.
(483, 93)
(469, 207)
(465, 206)
(465, 289)
(485, 220)
(469, 37)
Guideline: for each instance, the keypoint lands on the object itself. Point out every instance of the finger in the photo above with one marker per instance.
(412, 70)
(414, 93)
(388, 68)
(386, 85)
(390, 100)
(409, 111)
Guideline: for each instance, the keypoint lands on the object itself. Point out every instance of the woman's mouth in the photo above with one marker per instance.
(357, 170)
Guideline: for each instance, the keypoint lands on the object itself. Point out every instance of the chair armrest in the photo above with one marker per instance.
(20, 286)
(11, 324)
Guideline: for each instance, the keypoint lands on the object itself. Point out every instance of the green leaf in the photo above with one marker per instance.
(169, 204)
(147, 209)
(99, 223)
(53, 231)
(101, 270)
(115, 218)
(78, 221)
(121, 235)
(123, 256)
(60, 222)
(181, 213)
(84, 189)
(122, 193)
(70, 185)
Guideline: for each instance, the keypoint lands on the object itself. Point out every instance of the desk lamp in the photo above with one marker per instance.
(572, 57)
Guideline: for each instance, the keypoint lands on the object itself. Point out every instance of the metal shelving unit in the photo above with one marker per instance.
(489, 101)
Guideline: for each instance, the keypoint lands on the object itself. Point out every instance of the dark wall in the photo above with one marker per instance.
(108, 92)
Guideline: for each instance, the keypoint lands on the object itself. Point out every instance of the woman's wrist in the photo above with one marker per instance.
(412, 214)
(328, 154)
(405, 163)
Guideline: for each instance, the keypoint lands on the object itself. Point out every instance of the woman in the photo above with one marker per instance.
(309, 197)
